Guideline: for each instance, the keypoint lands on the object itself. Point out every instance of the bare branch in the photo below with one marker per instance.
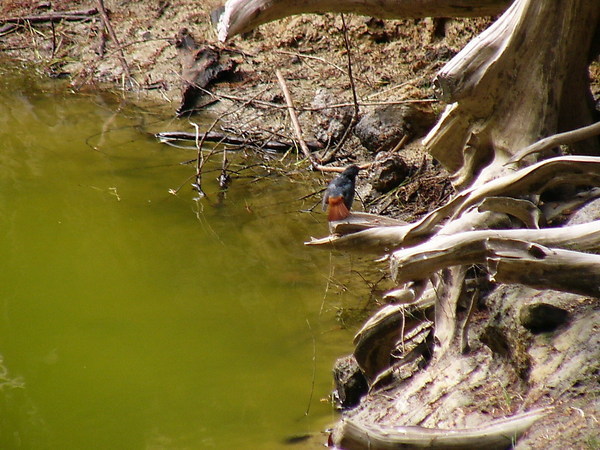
(241, 16)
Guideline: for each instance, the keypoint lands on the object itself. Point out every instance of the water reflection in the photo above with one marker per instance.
(132, 318)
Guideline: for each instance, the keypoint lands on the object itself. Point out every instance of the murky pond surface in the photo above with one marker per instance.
(132, 318)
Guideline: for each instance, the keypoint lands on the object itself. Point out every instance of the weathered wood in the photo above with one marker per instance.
(524, 210)
(505, 95)
(358, 221)
(240, 16)
(568, 137)
(446, 306)
(471, 247)
(540, 267)
(573, 170)
(498, 434)
(377, 338)
(376, 241)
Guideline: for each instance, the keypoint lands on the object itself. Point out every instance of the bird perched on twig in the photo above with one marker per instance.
(339, 195)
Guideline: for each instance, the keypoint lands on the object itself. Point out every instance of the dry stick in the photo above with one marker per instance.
(52, 17)
(391, 102)
(295, 123)
(329, 155)
(265, 104)
(298, 131)
(53, 41)
(317, 58)
(113, 36)
(201, 160)
(224, 177)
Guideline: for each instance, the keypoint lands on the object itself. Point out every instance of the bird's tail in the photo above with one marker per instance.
(337, 209)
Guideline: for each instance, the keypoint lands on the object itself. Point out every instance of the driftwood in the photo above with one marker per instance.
(240, 16)
(540, 267)
(498, 434)
(504, 95)
(377, 241)
(471, 247)
(568, 137)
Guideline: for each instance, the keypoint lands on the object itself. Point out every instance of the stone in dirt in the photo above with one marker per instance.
(384, 127)
(331, 122)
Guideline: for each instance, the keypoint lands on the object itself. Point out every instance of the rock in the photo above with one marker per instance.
(542, 317)
(331, 122)
(383, 127)
(350, 383)
(388, 173)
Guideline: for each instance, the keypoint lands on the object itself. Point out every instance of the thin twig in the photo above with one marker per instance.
(338, 146)
(53, 40)
(113, 36)
(314, 368)
(224, 177)
(295, 122)
(323, 60)
(298, 131)
(265, 104)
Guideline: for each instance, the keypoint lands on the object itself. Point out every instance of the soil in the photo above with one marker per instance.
(393, 63)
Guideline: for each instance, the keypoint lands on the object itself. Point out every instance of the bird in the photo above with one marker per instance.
(339, 194)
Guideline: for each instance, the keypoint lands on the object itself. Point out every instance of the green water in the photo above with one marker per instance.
(131, 318)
